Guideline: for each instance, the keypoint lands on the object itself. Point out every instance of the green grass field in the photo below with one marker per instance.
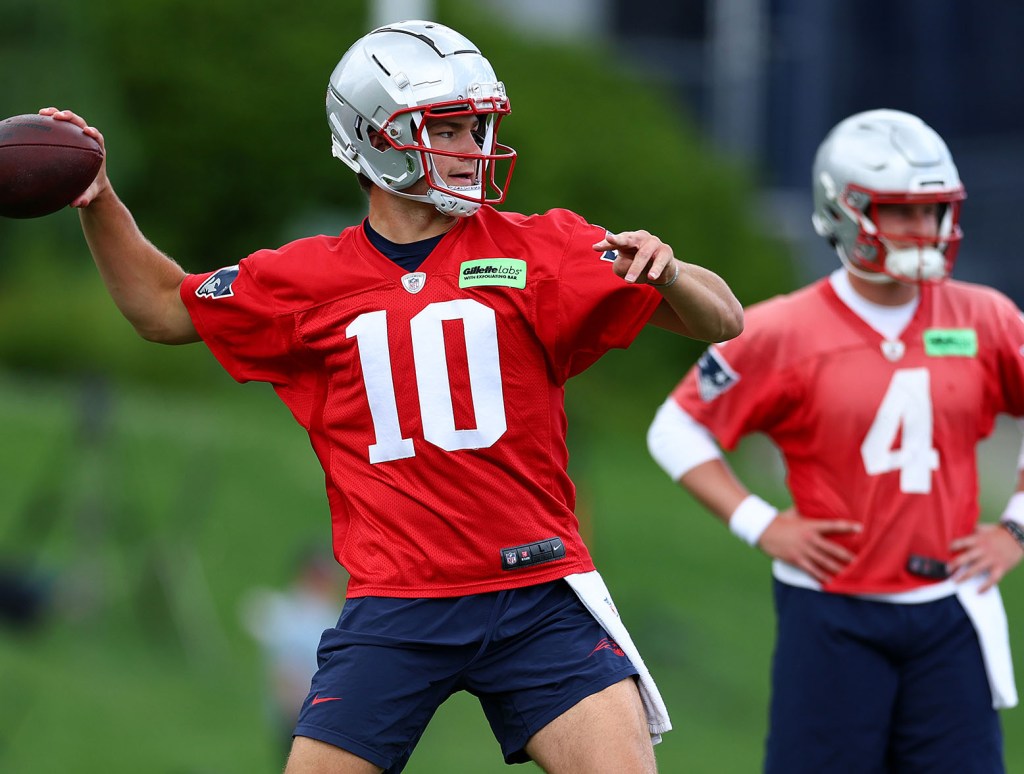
(155, 520)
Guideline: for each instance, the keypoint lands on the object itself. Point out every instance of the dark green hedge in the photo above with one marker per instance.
(213, 115)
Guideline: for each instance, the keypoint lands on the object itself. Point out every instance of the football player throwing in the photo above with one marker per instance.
(425, 351)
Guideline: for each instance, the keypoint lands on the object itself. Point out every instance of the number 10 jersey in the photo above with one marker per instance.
(433, 399)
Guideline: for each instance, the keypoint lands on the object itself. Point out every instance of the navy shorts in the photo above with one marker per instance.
(867, 687)
(527, 654)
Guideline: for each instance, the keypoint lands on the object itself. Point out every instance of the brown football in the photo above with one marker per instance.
(44, 165)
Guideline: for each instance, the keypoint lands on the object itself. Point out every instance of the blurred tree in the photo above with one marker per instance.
(226, 101)
(214, 120)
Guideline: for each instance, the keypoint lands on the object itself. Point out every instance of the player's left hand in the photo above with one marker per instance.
(641, 256)
(990, 551)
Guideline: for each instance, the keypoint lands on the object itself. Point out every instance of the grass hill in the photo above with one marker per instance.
(151, 514)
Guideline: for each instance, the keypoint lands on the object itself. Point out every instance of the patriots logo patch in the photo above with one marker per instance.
(714, 376)
(218, 284)
(609, 255)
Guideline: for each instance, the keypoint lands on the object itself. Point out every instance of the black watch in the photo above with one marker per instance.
(1014, 529)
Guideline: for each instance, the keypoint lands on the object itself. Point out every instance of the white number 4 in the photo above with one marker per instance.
(907, 406)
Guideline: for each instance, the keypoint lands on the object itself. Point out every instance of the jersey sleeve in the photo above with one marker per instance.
(742, 386)
(239, 320)
(594, 310)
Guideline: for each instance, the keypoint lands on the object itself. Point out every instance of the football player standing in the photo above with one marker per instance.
(425, 351)
(876, 383)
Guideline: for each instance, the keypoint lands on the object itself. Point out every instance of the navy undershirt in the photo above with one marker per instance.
(409, 256)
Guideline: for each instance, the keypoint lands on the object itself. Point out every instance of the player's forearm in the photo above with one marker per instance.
(714, 485)
(699, 304)
(142, 281)
(687, 451)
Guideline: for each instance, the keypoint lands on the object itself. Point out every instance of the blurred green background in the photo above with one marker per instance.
(147, 494)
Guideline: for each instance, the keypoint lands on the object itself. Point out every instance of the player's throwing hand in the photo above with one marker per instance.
(641, 257)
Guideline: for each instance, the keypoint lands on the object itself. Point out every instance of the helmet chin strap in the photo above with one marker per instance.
(447, 204)
(916, 263)
(912, 264)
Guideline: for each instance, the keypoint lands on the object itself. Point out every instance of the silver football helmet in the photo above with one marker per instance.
(886, 157)
(390, 83)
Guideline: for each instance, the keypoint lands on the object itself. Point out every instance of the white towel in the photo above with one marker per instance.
(590, 588)
(988, 615)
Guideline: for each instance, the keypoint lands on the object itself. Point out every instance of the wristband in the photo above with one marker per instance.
(751, 518)
(1014, 529)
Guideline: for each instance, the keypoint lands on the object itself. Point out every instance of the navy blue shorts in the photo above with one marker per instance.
(866, 687)
(528, 654)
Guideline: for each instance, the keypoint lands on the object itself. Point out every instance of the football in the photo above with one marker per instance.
(44, 165)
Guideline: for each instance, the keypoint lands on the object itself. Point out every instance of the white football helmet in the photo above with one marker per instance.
(886, 157)
(390, 82)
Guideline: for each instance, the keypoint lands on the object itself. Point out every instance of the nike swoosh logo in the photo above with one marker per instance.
(318, 700)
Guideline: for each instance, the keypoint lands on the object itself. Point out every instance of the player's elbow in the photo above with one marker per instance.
(159, 315)
(166, 334)
(160, 335)
(173, 326)
(731, 321)
(725, 323)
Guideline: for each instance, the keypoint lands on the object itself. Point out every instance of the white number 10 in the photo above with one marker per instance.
(907, 405)
(432, 384)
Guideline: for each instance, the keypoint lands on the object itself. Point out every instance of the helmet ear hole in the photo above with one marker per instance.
(377, 142)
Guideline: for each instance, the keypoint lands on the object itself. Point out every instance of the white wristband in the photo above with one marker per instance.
(1014, 510)
(751, 518)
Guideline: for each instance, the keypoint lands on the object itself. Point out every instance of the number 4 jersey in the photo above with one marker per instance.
(433, 399)
(880, 432)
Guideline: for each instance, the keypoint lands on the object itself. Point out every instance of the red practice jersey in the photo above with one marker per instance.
(433, 399)
(883, 433)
